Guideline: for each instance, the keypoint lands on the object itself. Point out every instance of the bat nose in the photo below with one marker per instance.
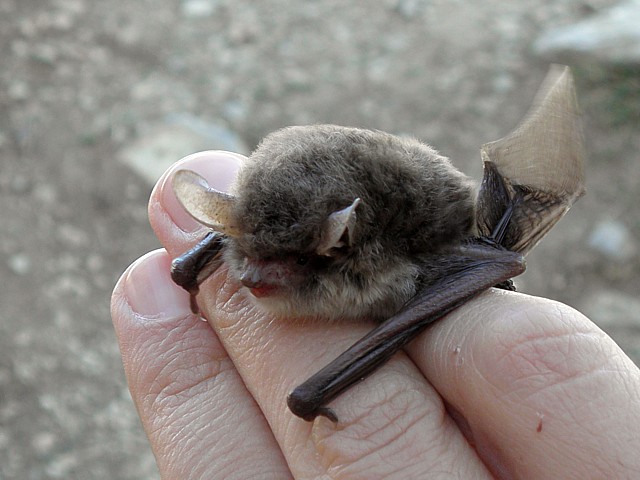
(262, 276)
(251, 278)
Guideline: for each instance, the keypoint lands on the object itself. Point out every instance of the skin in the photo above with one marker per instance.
(507, 386)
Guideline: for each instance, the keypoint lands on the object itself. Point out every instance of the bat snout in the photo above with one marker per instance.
(262, 278)
(257, 286)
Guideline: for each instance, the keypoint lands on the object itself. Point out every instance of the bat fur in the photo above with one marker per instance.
(337, 223)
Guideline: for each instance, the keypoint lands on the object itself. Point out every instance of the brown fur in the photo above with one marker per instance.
(414, 203)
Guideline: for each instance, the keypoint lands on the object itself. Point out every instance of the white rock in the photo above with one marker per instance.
(612, 239)
(179, 136)
(610, 309)
(198, 8)
(20, 264)
(610, 36)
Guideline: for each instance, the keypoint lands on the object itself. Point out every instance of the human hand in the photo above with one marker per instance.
(506, 386)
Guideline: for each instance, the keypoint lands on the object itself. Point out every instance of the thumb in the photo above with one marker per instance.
(183, 384)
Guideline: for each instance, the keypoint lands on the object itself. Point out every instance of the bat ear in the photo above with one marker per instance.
(534, 174)
(204, 203)
(337, 229)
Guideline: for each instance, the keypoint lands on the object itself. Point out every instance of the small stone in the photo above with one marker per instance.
(19, 91)
(10, 409)
(612, 239)
(198, 8)
(45, 54)
(74, 7)
(610, 36)
(20, 48)
(28, 28)
(43, 442)
(45, 193)
(72, 236)
(20, 184)
(234, 110)
(20, 264)
(408, 8)
(5, 440)
(94, 263)
(62, 21)
(181, 135)
(503, 83)
(67, 285)
(62, 465)
(610, 309)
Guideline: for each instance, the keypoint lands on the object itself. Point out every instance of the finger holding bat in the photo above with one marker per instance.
(446, 353)
(538, 388)
(525, 213)
(532, 177)
(271, 355)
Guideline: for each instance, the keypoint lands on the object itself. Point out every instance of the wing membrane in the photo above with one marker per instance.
(534, 174)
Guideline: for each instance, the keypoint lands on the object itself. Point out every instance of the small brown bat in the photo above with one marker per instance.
(333, 222)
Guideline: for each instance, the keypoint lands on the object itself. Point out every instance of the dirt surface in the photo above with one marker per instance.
(84, 82)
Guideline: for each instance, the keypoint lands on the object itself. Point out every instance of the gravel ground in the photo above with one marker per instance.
(96, 97)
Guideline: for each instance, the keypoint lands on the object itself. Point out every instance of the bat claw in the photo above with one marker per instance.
(327, 413)
(190, 269)
(506, 285)
(308, 408)
(193, 303)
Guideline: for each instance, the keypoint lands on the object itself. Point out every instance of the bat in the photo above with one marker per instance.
(334, 223)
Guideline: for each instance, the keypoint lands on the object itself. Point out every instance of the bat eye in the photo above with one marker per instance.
(302, 260)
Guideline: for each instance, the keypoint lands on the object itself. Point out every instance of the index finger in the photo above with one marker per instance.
(392, 424)
(544, 392)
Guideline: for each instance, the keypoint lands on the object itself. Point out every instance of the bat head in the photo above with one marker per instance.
(334, 222)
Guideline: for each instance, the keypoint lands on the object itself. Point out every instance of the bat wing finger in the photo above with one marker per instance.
(534, 174)
(472, 271)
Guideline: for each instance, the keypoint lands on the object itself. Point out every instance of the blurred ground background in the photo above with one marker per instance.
(97, 97)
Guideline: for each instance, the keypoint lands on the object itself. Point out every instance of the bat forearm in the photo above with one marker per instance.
(478, 268)
(346, 225)
(193, 267)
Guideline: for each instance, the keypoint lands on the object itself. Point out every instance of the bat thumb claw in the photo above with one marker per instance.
(327, 413)
(308, 408)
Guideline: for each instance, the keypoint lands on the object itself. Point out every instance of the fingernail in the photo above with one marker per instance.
(217, 167)
(150, 291)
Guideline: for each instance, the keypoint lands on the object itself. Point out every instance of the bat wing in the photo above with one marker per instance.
(465, 273)
(533, 175)
(193, 267)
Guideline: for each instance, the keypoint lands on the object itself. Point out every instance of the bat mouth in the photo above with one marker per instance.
(264, 291)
